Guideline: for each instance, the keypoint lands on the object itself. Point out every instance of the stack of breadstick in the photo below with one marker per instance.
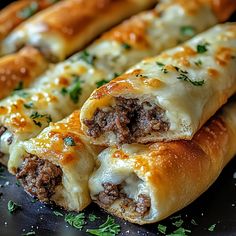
(141, 121)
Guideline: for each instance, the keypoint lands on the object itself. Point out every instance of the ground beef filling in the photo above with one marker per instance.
(113, 192)
(39, 177)
(128, 120)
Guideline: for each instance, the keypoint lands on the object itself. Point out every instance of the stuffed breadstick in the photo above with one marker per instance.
(18, 70)
(17, 12)
(56, 165)
(69, 25)
(70, 83)
(147, 183)
(167, 97)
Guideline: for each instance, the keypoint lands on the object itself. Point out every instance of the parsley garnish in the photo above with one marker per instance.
(184, 76)
(178, 223)
(193, 222)
(187, 30)
(164, 70)
(20, 86)
(92, 217)
(201, 48)
(74, 90)
(101, 83)
(17, 183)
(87, 57)
(162, 228)
(28, 11)
(29, 233)
(116, 75)
(126, 46)
(12, 206)
(29, 105)
(212, 227)
(198, 63)
(35, 115)
(109, 228)
(69, 141)
(76, 221)
(57, 213)
(180, 232)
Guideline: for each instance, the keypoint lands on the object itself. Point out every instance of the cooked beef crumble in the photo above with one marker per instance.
(128, 120)
(113, 192)
(39, 177)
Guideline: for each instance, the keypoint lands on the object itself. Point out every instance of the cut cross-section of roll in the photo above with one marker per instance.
(147, 183)
(18, 71)
(56, 165)
(168, 97)
(69, 25)
(17, 12)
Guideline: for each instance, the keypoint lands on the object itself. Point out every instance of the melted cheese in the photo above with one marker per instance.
(190, 90)
(104, 59)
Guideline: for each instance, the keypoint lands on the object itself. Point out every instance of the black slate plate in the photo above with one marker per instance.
(215, 207)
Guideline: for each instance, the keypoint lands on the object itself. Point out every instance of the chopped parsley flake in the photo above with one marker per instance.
(178, 223)
(180, 232)
(92, 217)
(17, 183)
(193, 222)
(77, 221)
(73, 90)
(184, 76)
(198, 63)
(69, 141)
(116, 75)
(20, 86)
(35, 115)
(29, 233)
(126, 46)
(202, 48)
(101, 83)
(212, 227)
(29, 105)
(12, 206)
(28, 11)
(162, 228)
(87, 57)
(164, 70)
(187, 30)
(57, 213)
(109, 228)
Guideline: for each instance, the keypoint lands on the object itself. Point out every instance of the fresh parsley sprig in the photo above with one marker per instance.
(77, 221)
(109, 228)
(12, 206)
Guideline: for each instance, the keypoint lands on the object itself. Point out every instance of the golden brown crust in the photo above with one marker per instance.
(20, 69)
(176, 172)
(68, 26)
(10, 17)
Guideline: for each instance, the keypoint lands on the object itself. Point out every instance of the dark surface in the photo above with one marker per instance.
(216, 206)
